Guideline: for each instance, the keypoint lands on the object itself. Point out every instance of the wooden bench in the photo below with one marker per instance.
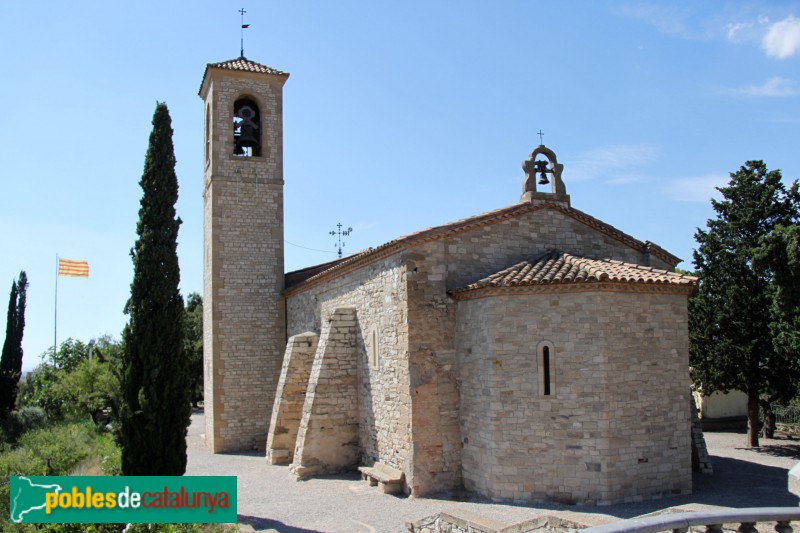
(389, 480)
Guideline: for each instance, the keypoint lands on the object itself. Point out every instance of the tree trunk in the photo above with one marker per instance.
(752, 420)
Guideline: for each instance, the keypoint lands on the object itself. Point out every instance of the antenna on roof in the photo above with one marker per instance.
(244, 27)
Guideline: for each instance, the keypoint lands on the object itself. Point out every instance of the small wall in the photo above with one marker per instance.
(290, 397)
(721, 404)
(327, 440)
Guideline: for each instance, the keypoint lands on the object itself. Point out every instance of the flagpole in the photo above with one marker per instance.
(55, 316)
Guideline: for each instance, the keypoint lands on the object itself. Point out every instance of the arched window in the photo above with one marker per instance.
(546, 369)
(246, 128)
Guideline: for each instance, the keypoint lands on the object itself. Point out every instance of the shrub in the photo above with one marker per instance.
(40, 389)
(109, 454)
(18, 422)
(60, 446)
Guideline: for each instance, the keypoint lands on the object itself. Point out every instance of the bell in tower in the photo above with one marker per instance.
(246, 128)
(542, 168)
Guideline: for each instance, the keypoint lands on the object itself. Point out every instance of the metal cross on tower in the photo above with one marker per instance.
(541, 140)
(244, 27)
(339, 233)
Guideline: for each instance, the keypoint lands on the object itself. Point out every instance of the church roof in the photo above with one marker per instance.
(311, 276)
(242, 64)
(556, 268)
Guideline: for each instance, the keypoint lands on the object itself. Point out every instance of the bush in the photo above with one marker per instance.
(62, 447)
(40, 389)
(109, 455)
(52, 451)
(18, 422)
(31, 418)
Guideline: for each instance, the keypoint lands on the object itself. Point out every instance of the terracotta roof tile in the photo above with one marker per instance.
(556, 267)
(467, 224)
(244, 64)
(241, 64)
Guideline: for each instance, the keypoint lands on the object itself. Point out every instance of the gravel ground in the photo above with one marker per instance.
(270, 499)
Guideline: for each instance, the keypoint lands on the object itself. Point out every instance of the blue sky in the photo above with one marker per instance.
(398, 116)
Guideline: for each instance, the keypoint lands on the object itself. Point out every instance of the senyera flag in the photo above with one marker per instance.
(73, 269)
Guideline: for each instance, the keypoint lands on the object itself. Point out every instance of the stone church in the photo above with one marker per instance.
(529, 353)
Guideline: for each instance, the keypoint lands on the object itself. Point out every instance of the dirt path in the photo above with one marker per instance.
(271, 500)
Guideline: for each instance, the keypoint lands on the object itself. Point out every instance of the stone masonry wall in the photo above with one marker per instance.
(327, 439)
(290, 397)
(244, 324)
(438, 266)
(484, 251)
(432, 370)
(378, 294)
(617, 428)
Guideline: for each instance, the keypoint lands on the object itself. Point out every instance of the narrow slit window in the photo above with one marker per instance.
(547, 369)
(373, 349)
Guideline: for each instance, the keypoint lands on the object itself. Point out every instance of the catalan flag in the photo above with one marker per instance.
(73, 269)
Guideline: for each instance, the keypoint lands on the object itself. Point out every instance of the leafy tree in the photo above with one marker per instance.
(155, 407)
(11, 359)
(92, 389)
(732, 318)
(80, 380)
(40, 389)
(70, 354)
(780, 255)
(193, 343)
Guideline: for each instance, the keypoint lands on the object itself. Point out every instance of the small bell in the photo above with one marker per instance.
(247, 137)
(543, 178)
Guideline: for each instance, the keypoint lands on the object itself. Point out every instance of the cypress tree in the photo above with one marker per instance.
(11, 359)
(733, 318)
(155, 408)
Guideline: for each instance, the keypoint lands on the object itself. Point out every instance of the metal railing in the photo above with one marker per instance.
(712, 521)
(786, 415)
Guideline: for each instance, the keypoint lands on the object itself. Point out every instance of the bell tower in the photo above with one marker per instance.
(244, 328)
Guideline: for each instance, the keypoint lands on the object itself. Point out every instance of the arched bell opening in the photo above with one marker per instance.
(246, 128)
(543, 169)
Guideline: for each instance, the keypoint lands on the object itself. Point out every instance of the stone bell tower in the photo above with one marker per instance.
(244, 328)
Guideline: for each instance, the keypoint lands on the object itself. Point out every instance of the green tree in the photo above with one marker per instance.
(39, 389)
(92, 389)
(155, 406)
(780, 255)
(86, 384)
(193, 343)
(70, 354)
(732, 316)
(11, 358)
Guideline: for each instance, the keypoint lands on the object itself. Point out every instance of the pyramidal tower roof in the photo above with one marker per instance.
(242, 64)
